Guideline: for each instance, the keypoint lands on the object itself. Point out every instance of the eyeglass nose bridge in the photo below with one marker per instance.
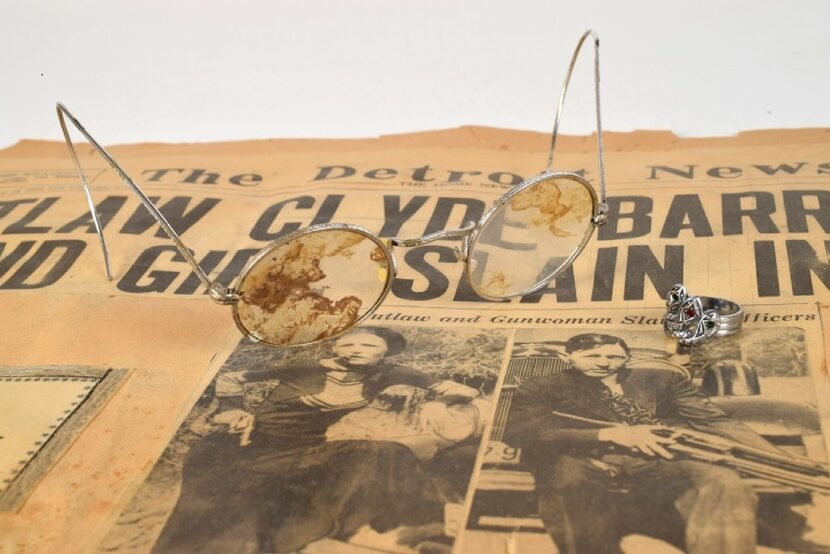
(464, 233)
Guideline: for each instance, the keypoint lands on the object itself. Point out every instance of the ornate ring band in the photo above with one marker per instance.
(731, 314)
(693, 320)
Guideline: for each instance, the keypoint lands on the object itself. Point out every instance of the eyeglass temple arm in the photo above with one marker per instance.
(216, 291)
(600, 151)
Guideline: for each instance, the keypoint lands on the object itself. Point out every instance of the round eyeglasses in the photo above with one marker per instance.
(317, 283)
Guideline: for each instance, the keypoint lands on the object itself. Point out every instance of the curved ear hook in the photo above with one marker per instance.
(600, 151)
(217, 292)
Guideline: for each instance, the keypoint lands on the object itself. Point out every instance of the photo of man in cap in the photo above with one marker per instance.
(598, 483)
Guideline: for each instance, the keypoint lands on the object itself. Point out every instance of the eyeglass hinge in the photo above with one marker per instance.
(462, 252)
(223, 295)
(602, 214)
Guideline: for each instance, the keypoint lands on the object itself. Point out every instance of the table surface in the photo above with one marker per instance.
(170, 71)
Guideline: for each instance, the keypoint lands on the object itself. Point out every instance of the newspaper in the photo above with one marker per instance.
(198, 449)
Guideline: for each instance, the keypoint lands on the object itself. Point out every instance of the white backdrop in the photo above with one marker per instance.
(204, 71)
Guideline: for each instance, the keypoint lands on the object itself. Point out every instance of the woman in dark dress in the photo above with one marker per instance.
(272, 483)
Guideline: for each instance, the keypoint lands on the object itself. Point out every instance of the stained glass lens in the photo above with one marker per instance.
(312, 287)
(532, 237)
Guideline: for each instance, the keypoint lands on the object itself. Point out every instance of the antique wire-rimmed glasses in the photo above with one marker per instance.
(317, 283)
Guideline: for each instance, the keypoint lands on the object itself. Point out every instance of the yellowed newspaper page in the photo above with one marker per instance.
(214, 443)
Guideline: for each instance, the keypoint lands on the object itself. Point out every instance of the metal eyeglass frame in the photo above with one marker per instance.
(469, 233)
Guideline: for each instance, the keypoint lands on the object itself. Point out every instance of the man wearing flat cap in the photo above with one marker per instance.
(598, 483)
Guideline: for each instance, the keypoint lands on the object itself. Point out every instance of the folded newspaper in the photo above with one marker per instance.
(134, 417)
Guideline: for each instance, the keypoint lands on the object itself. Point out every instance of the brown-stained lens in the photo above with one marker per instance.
(312, 287)
(532, 236)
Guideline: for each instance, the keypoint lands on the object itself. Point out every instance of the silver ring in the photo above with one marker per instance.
(693, 320)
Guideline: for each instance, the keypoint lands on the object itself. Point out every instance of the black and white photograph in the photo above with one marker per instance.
(625, 441)
(367, 441)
